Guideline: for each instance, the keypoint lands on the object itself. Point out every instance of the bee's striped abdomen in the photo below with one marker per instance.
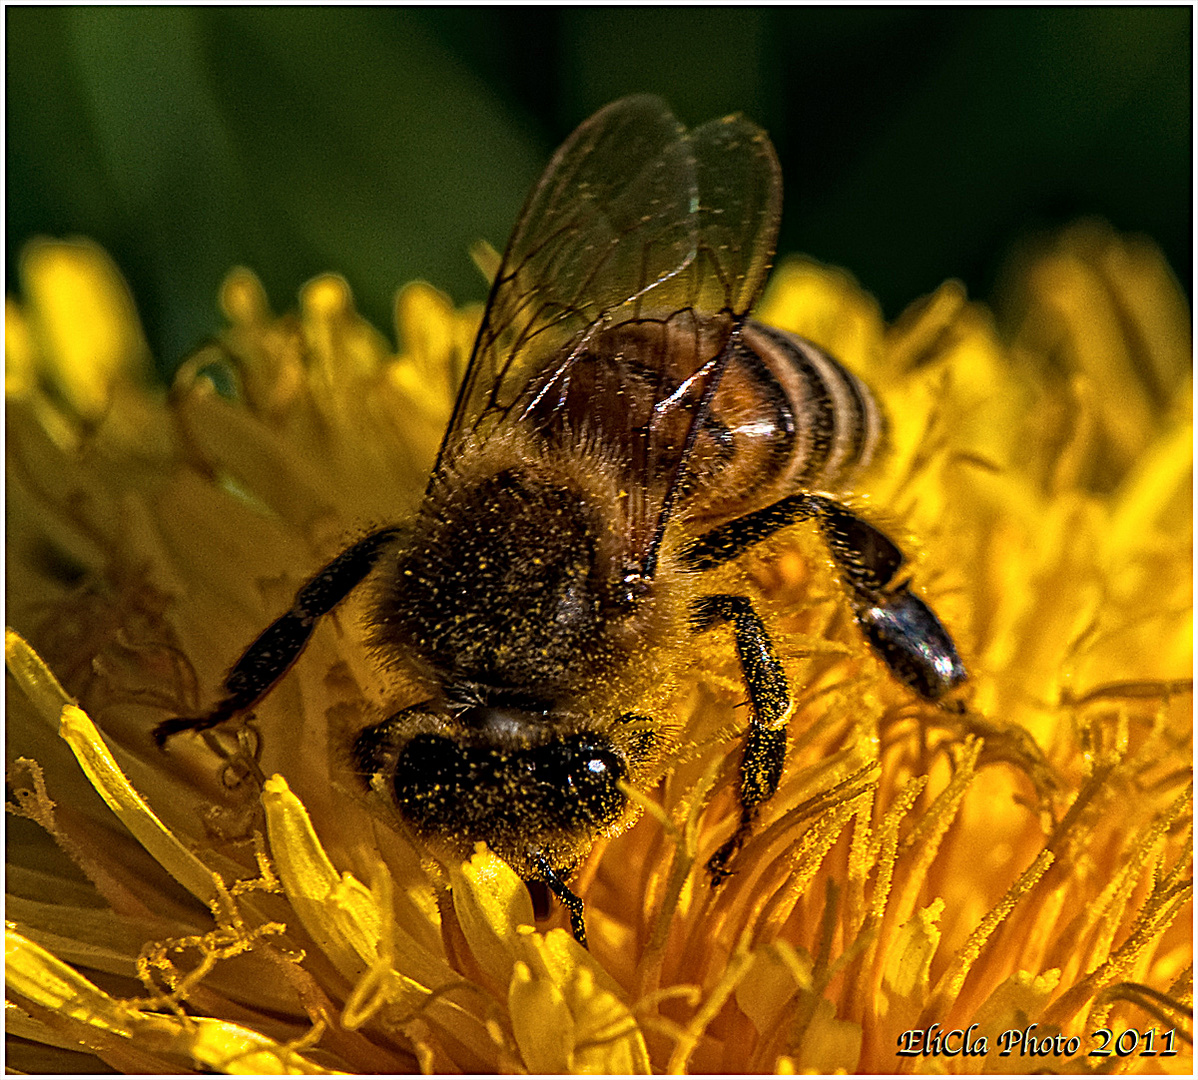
(787, 417)
(837, 423)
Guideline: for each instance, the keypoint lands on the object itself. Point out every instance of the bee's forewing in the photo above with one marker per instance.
(633, 217)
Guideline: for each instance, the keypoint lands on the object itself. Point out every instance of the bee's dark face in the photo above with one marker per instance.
(514, 794)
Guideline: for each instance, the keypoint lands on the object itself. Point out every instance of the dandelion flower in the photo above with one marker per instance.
(1013, 875)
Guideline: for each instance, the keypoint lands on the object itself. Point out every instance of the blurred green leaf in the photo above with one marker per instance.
(917, 143)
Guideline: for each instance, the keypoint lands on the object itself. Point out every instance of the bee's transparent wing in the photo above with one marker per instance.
(740, 202)
(632, 218)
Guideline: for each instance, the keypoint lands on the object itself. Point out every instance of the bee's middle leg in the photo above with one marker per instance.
(765, 744)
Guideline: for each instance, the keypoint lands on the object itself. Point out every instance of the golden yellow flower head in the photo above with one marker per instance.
(237, 904)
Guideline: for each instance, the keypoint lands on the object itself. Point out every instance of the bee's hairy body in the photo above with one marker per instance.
(508, 596)
(620, 430)
(510, 589)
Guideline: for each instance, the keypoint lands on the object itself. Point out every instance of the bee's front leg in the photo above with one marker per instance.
(769, 695)
(571, 901)
(280, 644)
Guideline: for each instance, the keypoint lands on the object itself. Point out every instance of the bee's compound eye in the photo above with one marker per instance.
(915, 646)
(577, 768)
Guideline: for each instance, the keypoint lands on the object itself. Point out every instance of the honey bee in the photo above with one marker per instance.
(622, 427)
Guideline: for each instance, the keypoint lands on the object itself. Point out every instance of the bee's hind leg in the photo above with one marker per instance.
(280, 644)
(903, 630)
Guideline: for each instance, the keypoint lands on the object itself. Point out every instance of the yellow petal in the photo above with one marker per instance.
(336, 909)
(606, 1037)
(491, 902)
(905, 976)
(43, 979)
(36, 681)
(221, 1046)
(20, 353)
(84, 319)
(486, 258)
(1152, 486)
(830, 1045)
(344, 348)
(1014, 1003)
(776, 972)
(242, 297)
(435, 340)
(106, 777)
(39, 976)
(541, 1022)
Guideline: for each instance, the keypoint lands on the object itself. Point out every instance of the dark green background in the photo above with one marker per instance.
(917, 144)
